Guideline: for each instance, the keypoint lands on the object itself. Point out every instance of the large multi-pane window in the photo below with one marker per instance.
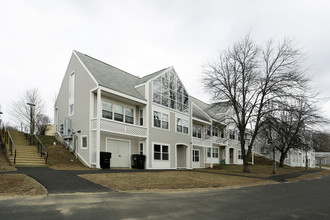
(182, 126)
(168, 91)
(117, 112)
(160, 120)
(160, 152)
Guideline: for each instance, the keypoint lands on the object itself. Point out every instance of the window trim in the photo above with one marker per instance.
(161, 152)
(182, 127)
(81, 142)
(194, 157)
(124, 107)
(213, 152)
(161, 120)
(239, 154)
(141, 144)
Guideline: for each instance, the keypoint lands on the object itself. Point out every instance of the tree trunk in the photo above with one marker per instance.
(282, 160)
(246, 168)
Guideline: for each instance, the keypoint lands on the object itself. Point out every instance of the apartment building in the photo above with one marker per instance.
(101, 108)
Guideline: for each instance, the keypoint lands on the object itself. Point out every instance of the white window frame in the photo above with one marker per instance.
(208, 153)
(124, 107)
(194, 157)
(214, 152)
(239, 155)
(177, 123)
(141, 145)
(161, 151)
(81, 142)
(161, 120)
(72, 78)
(141, 117)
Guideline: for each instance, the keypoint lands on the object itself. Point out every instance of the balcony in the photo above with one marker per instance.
(219, 140)
(202, 142)
(121, 128)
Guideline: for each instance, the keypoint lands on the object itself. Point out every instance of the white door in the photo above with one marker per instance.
(119, 153)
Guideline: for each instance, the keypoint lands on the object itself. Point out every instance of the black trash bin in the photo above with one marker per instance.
(105, 160)
(138, 161)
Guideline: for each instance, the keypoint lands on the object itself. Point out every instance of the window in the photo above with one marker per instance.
(215, 152)
(208, 130)
(208, 152)
(107, 110)
(197, 132)
(141, 117)
(232, 134)
(239, 154)
(222, 133)
(182, 126)
(141, 148)
(195, 155)
(71, 93)
(160, 120)
(118, 112)
(215, 131)
(164, 121)
(168, 91)
(160, 152)
(129, 115)
(84, 143)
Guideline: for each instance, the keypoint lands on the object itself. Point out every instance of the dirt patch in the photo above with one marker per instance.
(20, 185)
(4, 162)
(61, 159)
(169, 180)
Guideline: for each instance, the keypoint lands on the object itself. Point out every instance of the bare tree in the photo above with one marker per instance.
(20, 112)
(42, 124)
(291, 125)
(250, 77)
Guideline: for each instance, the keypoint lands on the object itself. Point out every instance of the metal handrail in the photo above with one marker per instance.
(41, 146)
(10, 141)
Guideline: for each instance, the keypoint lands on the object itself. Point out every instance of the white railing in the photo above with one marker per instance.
(122, 128)
(202, 142)
(218, 140)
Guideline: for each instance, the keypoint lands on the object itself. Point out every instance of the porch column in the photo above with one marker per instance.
(98, 126)
(211, 164)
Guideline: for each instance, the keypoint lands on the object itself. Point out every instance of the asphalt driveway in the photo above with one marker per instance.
(61, 181)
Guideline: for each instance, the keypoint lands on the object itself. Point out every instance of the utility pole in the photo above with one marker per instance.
(31, 120)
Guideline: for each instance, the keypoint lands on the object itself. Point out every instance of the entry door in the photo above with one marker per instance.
(120, 153)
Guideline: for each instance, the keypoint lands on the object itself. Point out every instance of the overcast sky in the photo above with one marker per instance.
(144, 36)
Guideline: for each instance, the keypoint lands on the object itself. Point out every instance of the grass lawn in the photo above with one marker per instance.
(60, 158)
(20, 185)
(255, 170)
(4, 162)
(169, 180)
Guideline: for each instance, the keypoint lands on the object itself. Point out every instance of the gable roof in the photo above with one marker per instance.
(152, 75)
(215, 111)
(110, 77)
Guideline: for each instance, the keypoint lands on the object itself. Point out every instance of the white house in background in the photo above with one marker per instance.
(101, 108)
(294, 158)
